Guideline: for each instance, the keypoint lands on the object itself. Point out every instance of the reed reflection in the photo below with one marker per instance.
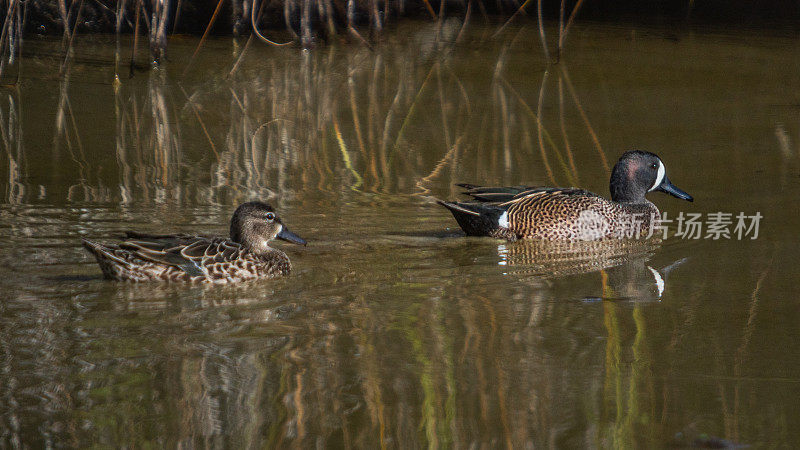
(320, 121)
(431, 365)
(431, 346)
(148, 143)
(12, 137)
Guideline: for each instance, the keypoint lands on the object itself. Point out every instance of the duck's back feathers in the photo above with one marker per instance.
(549, 213)
(507, 194)
(184, 258)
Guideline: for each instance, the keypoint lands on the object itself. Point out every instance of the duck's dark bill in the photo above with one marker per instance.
(287, 235)
(673, 190)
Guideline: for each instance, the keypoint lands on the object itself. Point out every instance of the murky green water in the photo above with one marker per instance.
(394, 330)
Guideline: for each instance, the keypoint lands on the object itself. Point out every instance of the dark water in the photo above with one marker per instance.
(393, 330)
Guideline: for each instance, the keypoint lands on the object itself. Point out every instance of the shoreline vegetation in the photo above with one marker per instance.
(340, 116)
(309, 23)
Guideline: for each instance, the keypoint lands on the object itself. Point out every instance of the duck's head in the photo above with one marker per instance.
(254, 224)
(637, 173)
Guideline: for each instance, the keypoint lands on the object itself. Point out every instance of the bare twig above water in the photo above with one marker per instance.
(62, 10)
(541, 30)
(135, 36)
(254, 22)
(464, 23)
(68, 51)
(562, 32)
(519, 11)
(177, 18)
(302, 18)
(203, 39)
(158, 30)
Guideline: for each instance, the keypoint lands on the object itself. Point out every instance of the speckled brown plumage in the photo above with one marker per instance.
(570, 214)
(576, 215)
(180, 257)
(194, 259)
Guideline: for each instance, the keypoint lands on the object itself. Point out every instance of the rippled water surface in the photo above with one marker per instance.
(394, 330)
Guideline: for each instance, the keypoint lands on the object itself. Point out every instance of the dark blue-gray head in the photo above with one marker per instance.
(254, 224)
(637, 173)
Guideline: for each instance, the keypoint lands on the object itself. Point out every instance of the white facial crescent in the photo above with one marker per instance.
(661, 172)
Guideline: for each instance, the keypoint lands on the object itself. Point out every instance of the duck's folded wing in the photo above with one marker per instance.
(508, 193)
(189, 254)
(219, 257)
(168, 240)
(210, 251)
(494, 194)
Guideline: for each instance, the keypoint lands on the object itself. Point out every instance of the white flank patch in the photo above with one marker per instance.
(661, 172)
(659, 281)
(503, 220)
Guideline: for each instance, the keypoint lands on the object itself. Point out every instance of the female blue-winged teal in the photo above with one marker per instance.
(180, 257)
(570, 214)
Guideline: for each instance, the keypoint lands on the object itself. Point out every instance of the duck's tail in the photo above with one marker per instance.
(479, 219)
(105, 256)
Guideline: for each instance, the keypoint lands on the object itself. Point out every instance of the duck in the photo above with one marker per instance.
(570, 214)
(245, 255)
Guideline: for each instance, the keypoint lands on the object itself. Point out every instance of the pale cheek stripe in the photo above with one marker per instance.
(266, 242)
(660, 177)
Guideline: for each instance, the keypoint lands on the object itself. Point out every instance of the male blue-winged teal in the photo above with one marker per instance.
(180, 257)
(570, 214)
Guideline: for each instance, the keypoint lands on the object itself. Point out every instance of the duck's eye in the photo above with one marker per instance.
(654, 166)
(270, 217)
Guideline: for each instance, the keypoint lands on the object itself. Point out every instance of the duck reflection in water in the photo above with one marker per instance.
(625, 267)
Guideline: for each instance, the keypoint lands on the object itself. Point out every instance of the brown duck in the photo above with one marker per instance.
(570, 214)
(180, 257)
